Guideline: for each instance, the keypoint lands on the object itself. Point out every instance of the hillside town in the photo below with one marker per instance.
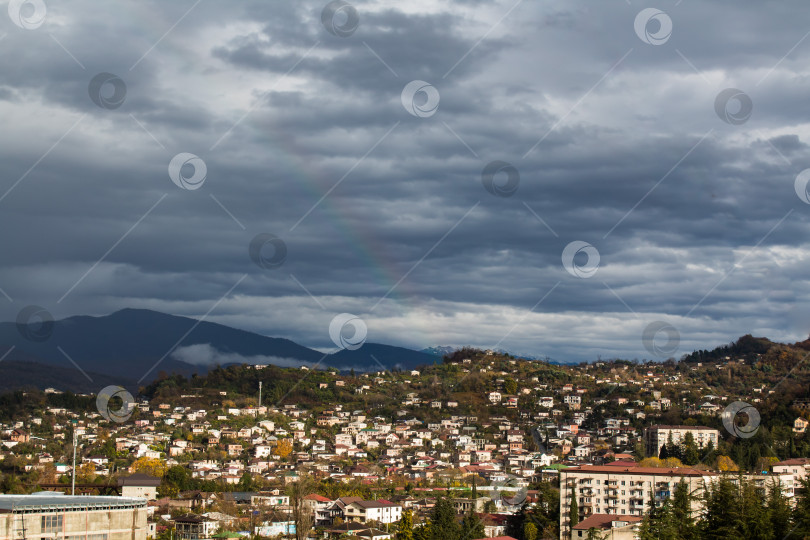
(515, 448)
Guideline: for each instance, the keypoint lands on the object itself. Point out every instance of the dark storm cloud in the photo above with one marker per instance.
(304, 136)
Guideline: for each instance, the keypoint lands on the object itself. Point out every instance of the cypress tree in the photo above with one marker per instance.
(801, 512)
(443, 522)
(778, 511)
(682, 517)
(573, 509)
(405, 526)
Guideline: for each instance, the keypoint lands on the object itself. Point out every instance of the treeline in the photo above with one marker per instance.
(746, 347)
(440, 525)
(533, 522)
(22, 403)
(732, 508)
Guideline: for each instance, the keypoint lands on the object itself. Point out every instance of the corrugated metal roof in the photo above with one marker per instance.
(52, 500)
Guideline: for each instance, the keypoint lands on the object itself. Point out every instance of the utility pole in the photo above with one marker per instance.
(260, 393)
(73, 481)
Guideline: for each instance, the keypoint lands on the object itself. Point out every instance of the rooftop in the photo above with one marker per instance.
(52, 500)
(657, 471)
(604, 521)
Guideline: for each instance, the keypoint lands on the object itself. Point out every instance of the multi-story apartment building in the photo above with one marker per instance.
(763, 482)
(52, 515)
(657, 436)
(798, 467)
(621, 490)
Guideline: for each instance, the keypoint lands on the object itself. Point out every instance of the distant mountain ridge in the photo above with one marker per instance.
(137, 344)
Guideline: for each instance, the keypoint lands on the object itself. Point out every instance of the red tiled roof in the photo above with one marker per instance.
(693, 428)
(794, 461)
(603, 521)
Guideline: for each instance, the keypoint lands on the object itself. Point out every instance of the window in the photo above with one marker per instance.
(52, 523)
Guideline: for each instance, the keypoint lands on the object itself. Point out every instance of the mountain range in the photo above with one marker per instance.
(133, 346)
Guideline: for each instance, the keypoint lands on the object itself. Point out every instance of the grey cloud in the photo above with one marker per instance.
(203, 354)
(286, 143)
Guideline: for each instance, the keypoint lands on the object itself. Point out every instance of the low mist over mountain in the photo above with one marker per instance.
(135, 345)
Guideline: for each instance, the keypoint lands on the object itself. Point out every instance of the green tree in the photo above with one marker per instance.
(423, 532)
(471, 527)
(510, 386)
(593, 534)
(681, 511)
(753, 510)
(529, 531)
(722, 515)
(245, 482)
(690, 452)
(659, 523)
(405, 527)
(778, 511)
(801, 512)
(443, 522)
(573, 509)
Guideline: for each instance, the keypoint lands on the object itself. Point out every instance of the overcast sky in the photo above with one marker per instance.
(561, 175)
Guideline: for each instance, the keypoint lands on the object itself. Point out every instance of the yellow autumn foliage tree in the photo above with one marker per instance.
(150, 466)
(672, 462)
(657, 462)
(284, 448)
(86, 472)
(726, 464)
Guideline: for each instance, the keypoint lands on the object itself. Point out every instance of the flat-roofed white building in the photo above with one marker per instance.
(54, 515)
